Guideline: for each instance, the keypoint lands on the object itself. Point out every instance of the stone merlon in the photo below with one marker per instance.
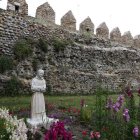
(115, 35)
(87, 26)
(68, 21)
(137, 41)
(45, 12)
(18, 6)
(102, 31)
(127, 39)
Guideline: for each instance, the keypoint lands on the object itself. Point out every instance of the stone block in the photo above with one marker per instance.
(102, 31)
(127, 39)
(115, 35)
(137, 41)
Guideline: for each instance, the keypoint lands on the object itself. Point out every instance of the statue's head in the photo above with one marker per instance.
(40, 73)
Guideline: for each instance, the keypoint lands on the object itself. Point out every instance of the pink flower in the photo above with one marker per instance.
(84, 133)
(97, 135)
(129, 92)
(120, 99)
(115, 108)
(136, 131)
(91, 134)
(126, 115)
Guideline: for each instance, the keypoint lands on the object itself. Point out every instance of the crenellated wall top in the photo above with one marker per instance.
(45, 14)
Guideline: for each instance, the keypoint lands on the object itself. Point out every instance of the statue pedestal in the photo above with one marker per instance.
(46, 122)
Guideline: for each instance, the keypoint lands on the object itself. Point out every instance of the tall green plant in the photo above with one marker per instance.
(99, 118)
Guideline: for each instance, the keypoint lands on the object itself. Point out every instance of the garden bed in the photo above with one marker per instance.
(102, 116)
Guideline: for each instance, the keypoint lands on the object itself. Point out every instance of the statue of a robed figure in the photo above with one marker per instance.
(38, 113)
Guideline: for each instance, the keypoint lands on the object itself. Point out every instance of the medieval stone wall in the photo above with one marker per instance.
(85, 64)
(18, 6)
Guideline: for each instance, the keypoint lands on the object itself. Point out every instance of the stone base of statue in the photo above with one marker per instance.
(45, 122)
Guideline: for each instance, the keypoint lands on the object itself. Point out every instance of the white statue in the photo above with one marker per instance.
(38, 114)
(38, 86)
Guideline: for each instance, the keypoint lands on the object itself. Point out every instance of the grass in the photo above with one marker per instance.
(24, 101)
(15, 103)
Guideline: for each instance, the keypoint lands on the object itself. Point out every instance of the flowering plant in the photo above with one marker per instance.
(135, 131)
(16, 129)
(126, 115)
(56, 131)
(93, 135)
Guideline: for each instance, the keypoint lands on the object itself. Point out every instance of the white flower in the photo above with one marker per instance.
(16, 127)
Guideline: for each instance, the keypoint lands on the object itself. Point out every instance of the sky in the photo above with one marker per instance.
(124, 14)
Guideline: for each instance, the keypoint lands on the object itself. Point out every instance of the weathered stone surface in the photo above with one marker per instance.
(137, 41)
(45, 12)
(18, 6)
(115, 35)
(25, 70)
(81, 67)
(68, 21)
(102, 31)
(127, 39)
(87, 26)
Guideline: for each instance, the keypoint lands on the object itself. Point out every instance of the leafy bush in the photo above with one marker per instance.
(22, 49)
(4, 135)
(13, 87)
(6, 63)
(59, 45)
(42, 44)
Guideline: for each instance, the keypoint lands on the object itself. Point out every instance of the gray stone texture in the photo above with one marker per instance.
(82, 67)
(68, 21)
(102, 31)
(87, 27)
(18, 6)
(127, 39)
(45, 12)
(115, 35)
(137, 41)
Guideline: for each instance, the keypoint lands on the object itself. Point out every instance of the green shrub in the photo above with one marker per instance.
(42, 44)
(59, 44)
(13, 87)
(22, 49)
(6, 63)
(4, 135)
